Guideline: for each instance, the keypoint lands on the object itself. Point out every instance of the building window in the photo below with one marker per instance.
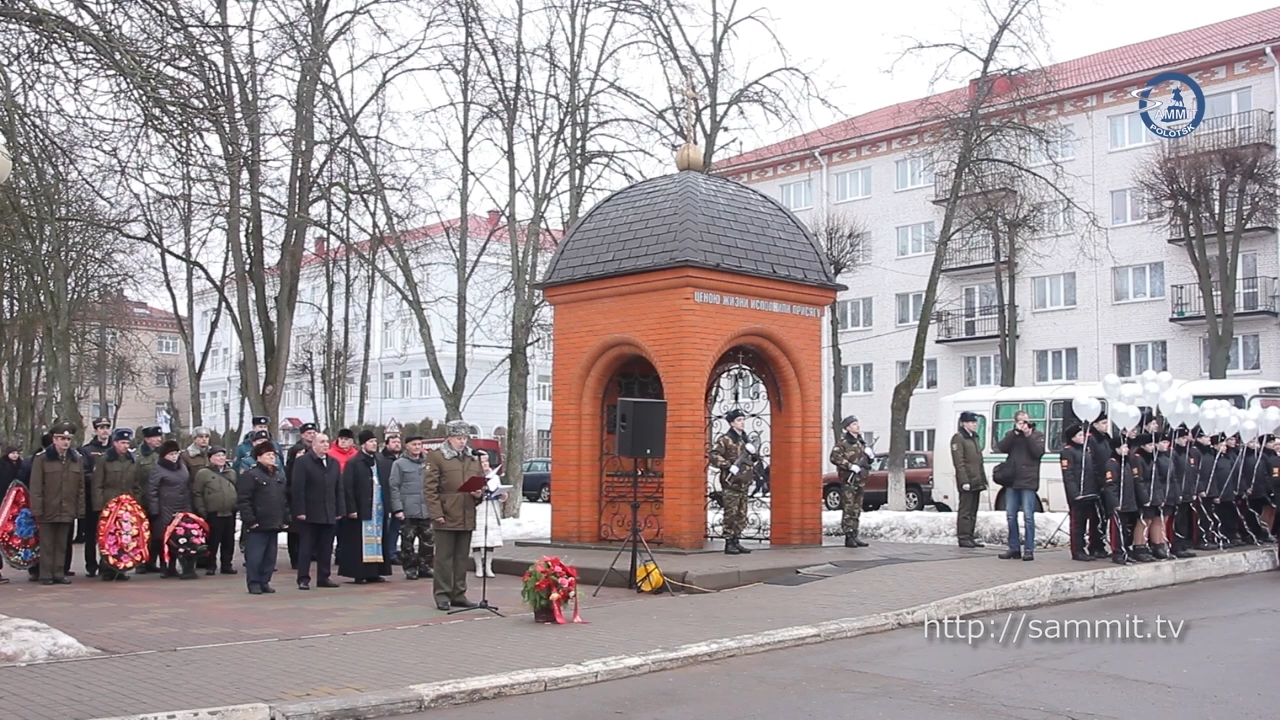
(1128, 206)
(909, 307)
(913, 173)
(544, 443)
(853, 185)
(352, 389)
(425, 383)
(1057, 218)
(1057, 365)
(920, 440)
(928, 378)
(408, 334)
(389, 335)
(388, 385)
(854, 314)
(981, 370)
(1133, 359)
(1129, 131)
(857, 379)
(1228, 103)
(543, 389)
(1244, 357)
(96, 410)
(797, 195)
(406, 383)
(916, 239)
(1058, 146)
(1138, 282)
(164, 378)
(167, 344)
(1054, 292)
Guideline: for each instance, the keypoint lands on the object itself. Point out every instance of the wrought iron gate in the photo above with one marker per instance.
(738, 383)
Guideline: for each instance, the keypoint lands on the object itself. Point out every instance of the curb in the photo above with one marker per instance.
(1034, 592)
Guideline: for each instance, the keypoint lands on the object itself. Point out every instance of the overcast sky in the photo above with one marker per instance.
(854, 43)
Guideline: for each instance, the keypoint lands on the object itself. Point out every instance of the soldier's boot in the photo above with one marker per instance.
(731, 547)
(858, 541)
(850, 540)
(1142, 554)
(738, 543)
(1160, 551)
(188, 569)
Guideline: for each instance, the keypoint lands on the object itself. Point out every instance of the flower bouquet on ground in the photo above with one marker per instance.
(124, 534)
(550, 584)
(186, 537)
(19, 542)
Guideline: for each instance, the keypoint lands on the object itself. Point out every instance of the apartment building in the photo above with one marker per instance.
(400, 388)
(1120, 298)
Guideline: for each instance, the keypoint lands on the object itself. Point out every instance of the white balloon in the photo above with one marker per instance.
(1176, 415)
(1248, 430)
(1148, 376)
(1272, 417)
(1233, 425)
(1111, 386)
(1254, 413)
(1151, 393)
(1255, 404)
(1134, 416)
(1130, 392)
(1082, 406)
(1190, 416)
(1168, 401)
(1184, 395)
(1164, 380)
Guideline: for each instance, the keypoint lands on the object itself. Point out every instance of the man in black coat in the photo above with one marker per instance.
(1024, 445)
(1186, 469)
(88, 525)
(1098, 449)
(264, 512)
(308, 431)
(1080, 483)
(368, 494)
(317, 502)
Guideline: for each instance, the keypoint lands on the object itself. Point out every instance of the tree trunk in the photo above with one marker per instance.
(1006, 316)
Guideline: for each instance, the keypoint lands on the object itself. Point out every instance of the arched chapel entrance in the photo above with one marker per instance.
(741, 380)
(634, 378)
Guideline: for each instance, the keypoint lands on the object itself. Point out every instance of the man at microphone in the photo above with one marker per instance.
(453, 512)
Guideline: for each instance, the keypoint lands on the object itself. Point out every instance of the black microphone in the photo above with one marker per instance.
(476, 452)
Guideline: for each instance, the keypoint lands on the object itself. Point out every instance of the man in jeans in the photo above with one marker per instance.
(1024, 446)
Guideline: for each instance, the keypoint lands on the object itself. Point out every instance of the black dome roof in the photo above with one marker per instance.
(689, 220)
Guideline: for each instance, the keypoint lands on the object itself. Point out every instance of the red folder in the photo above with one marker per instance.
(475, 483)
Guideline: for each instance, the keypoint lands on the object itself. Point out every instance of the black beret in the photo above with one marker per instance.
(366, 436)
(307, 427)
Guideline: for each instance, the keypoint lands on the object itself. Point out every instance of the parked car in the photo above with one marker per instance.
(537, 479)
(919, 484)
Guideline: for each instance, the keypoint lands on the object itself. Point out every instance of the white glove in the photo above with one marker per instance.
(733, 469)
(869, 453)
(751, 448)
(856, 469)
(964, 486)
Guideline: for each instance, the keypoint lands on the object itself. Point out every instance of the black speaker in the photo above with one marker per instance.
(642, 428)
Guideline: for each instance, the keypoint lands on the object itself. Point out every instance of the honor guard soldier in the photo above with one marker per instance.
(735, 457)
(971, 478)
(853, 461)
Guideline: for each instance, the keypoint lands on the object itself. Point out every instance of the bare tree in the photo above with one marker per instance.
(1215, 186)
(843, 240)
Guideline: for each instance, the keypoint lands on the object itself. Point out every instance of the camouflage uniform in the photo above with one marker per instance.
(731, 449)
(847, 453)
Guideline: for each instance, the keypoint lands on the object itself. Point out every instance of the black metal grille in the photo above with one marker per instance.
(1252, 295)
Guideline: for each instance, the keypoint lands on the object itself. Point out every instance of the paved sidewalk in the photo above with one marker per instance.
(893, 577)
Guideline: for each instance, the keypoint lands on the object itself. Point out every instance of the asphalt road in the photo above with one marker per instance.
(1222, 665)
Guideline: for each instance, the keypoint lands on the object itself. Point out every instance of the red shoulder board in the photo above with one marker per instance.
(1110, 476)
(1065, 463)
(1191, 459)
(1136, 471)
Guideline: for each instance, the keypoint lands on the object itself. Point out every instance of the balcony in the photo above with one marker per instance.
(967, 325)
(1250, 232)
(971, 253)
(1227, 132)
(1254, 296)
(984, 179)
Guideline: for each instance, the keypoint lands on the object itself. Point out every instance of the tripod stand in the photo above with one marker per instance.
(635, 538)
(482, 569)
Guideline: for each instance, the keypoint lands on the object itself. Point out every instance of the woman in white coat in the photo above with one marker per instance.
(488, 532)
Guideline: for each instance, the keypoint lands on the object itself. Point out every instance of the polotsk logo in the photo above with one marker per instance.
(1176, 121)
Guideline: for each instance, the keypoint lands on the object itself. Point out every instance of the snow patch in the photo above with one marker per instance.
(24, 641)
(936, 528)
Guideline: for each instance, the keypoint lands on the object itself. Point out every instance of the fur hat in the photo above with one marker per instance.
(1071, 431)
(169, 446)
(263, 449)
(1143, 439)
(152, 431)
(457, 428)
(366, 436)
(122, 434)
(202, 431)
(735, 414)
(346, 433)
(307, 427)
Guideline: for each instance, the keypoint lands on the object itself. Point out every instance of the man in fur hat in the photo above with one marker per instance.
(735, 457)
(57, 499)
(971, 478)
(853, 465)
(452, 513)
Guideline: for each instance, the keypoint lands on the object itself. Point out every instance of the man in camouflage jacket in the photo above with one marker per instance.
(853, 461)
(735, 457)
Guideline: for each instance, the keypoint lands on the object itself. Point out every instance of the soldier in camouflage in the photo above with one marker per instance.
(852, 459)
(735, 457)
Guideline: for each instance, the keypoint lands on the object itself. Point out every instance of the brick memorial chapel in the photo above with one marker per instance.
(707, 294)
